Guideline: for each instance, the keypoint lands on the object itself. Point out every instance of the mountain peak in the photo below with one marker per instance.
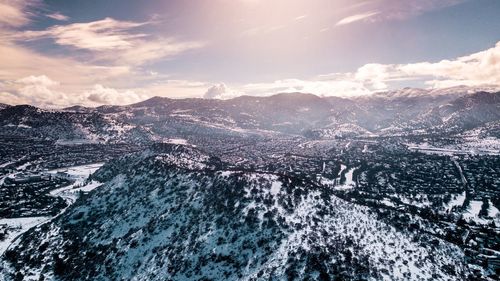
(151, 102)
(78, 108)
(295, 95)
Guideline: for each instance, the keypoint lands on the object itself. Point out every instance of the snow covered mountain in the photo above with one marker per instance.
(407, 111)
(73, 124)
(466, 112)
(175, 213)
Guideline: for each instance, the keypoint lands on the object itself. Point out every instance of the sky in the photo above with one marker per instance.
(57, 53)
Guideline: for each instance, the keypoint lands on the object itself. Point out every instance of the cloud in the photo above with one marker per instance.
(477, 69)
(38, 90)
(24, 73)
(18, 62)
(118, 54)
(115, 52)
(355, 18)
(220, 91)
(106, 34)
(382, 10)
(113, 41)
(41, 80)
(301, 17)
(147, 51)
(45, 92)
(12, 13)
(58, 16)
(103, 95)
(396, 9)
(375, 75)
(342, 85)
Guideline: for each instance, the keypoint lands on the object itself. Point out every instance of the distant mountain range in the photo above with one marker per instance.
(407, 111)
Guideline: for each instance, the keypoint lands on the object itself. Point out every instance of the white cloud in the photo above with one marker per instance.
(116, 51)
(375, 75)
(147, 51)
(381, 10)
(301, 17)
(99, 95)
(41, 80)
(343, 85)
(58, 16)
(113, 41)
(397, 9)
(45, 92)
(37, 90)
(12, 99)
(106, 34)
(12, 13)
(355, 18)
(480, 68)
(220, 91)
(18, 62)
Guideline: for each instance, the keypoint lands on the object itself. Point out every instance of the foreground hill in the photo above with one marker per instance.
(175, 213)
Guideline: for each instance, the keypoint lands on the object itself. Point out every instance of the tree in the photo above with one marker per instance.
(60, 267)
(484, 208)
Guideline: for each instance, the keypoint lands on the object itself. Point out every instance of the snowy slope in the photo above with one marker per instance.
(175, 213)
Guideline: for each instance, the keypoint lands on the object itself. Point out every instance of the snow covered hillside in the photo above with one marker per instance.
(175, 213)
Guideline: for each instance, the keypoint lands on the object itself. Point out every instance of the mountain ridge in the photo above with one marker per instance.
(288, 113)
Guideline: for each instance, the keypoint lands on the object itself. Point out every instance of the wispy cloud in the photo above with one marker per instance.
(396, 9)
(113, 41)
(148, 51)
(399, 10)
(13, 14)
(382, 10)
(301, 17)
(58, 16)
(116, 52)
(18, 62)
(356, 18)
(99, 35)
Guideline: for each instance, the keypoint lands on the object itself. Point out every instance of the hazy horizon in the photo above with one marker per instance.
(456, 90)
